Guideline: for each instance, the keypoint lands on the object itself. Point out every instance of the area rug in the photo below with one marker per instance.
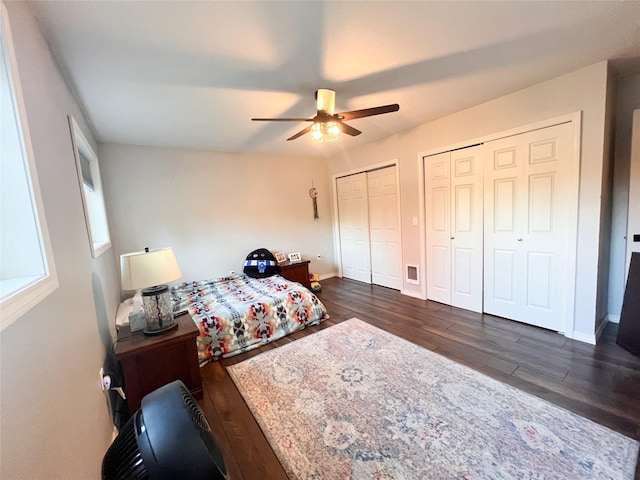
(356, 402)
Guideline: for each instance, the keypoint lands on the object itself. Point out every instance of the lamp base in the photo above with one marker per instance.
(156, 302)
(158, 331)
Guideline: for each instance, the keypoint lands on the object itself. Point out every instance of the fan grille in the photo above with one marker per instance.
(197, 417)
(123, 459)
(204, 429)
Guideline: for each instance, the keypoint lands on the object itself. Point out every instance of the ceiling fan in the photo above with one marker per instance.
(327, 125)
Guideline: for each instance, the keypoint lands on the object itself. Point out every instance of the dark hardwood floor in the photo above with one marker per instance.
(598, 382)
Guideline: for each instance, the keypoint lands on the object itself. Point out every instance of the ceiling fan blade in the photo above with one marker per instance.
(348, 129)
(368, 112)
(282, 119)
(300, 133)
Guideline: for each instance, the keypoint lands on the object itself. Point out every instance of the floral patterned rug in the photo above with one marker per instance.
(356, 402)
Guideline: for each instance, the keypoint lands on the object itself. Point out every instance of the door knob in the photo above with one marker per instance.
(520, 239)
(453, 238)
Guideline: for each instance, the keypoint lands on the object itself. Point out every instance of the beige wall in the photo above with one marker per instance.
(55, 422)
(602, 294)
(583, 90)
(628, 99)
(215, 208)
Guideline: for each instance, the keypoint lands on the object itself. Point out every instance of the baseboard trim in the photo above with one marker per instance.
(613, 318)
(324, 276)
(583, 337)
(411, 293)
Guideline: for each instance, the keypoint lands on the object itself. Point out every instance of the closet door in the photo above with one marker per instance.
(384, 227)
(438, 225)
(466, 228)
(528, 218)
(353, 219)
(455, 228)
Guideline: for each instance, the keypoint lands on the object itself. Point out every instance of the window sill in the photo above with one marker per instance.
(29, 291)
(100, 248)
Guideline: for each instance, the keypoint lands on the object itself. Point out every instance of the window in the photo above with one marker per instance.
(27, 270)
(91, 187)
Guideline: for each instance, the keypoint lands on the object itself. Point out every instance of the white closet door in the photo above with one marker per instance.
(528, 218)
(455, 228)
(466, 228)
(354, 227)
(438, 226)
(384, 227)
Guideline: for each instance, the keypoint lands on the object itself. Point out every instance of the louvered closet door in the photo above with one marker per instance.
(384, 227)
(453, 182)
(354, 227)
(528, 212)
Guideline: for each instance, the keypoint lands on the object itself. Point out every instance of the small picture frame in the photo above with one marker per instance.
(280, 257)
(294, 257)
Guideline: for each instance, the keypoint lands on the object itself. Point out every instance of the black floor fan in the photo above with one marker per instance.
(167, 438)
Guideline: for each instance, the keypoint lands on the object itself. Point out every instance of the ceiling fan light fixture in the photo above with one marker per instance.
(326, 100)
(325, 131)
(326, 125)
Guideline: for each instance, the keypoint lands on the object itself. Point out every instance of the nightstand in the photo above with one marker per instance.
(296, 272)
(151, 361)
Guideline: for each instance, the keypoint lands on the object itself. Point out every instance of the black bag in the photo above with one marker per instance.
(261, 263)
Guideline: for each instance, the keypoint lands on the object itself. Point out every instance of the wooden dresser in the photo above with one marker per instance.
(296, 272)
(151, 361)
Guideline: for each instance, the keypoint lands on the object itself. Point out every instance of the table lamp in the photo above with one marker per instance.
(150, 270)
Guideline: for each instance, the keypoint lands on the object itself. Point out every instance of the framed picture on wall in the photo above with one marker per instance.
(280, 257)
(294, 257)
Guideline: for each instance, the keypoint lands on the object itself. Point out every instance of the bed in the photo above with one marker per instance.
(238, 313)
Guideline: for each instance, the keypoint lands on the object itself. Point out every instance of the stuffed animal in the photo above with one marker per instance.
(261, 264)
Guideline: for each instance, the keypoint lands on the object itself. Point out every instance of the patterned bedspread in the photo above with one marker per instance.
(239, 313)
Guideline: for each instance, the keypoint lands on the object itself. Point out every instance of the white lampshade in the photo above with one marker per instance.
(148, 268)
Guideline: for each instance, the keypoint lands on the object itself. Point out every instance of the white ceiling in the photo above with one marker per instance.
(193, 74)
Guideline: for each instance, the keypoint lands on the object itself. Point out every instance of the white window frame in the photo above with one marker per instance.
(26, 291)
(95, 212)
